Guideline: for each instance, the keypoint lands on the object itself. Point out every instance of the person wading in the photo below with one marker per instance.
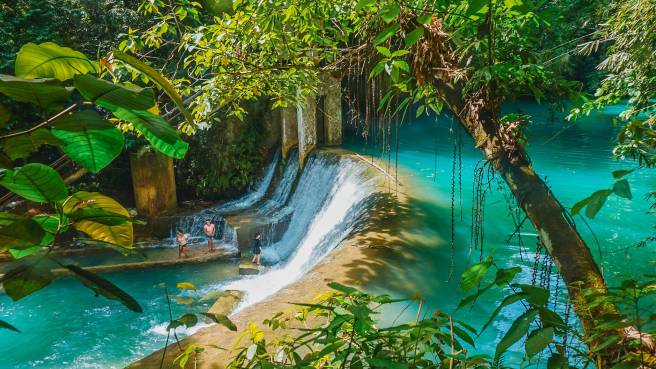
(181, 238)
(210, 230)
(257, 248)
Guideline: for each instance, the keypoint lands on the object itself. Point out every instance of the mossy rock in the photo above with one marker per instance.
(227, 302)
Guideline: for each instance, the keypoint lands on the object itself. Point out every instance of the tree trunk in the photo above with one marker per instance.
(571, 255)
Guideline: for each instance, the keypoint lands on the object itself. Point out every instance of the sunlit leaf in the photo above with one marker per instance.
(80, 204)
(386, 34)
(158, 79)
(103, 287)
(157, 131)
(49, 60)
(185, 286)
(89, 140)
(414, 36)
(35, 182)
(473, 275)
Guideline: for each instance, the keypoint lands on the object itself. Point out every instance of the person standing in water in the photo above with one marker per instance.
(181, 238)
(257, 248)
(210, 230)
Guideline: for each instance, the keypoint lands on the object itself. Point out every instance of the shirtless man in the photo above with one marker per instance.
(210, 230)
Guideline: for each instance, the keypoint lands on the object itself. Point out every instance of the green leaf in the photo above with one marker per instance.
(390, 12)
(517, 330)
(5, 325)
(19, 254)
(45, 93)
(363, 4)
(35, 182)
(402, 65)
(538, 340)
(49, 223)
(379, 362)
(506, 275)
(342, 288)
(626, 365)
(414, 36)
(508, 300)
(473, 275)
(5, 115)
(597, 200)
(157, 131)
(383, 50)
(622, 189)
(20, 147)
(93, 211)
(189, 320)
(557, 362)
(222, 320)
(425, 18)
(185, 286)
(17, 232)
(158, 79)
(476, 6)
(89, 140)
(617, 174)
(580, 205)
(25, 280)
(112, 96)
(103, 287)
(49, 60)
(386, 34)
(535, 295)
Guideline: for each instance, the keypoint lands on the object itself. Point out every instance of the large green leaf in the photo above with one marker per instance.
(517, 330)
(473, 275)
(35, 182)
(49, 60)
(89, 140)
(537, 296)
(538, 340)
(386, 34)
(103, 287)
(99, 217)
(158, 79)
(112, 96)
(157, 131)
(597, 200)
(17, 232)
(46, 93)
(20, 147)
(25, 280)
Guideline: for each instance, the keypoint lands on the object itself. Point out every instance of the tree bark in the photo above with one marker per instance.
(435, 65)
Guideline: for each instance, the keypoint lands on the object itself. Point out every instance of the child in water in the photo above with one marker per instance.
(257, 248)
(181, 238)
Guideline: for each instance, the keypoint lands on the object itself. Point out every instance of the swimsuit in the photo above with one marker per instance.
(257, 247)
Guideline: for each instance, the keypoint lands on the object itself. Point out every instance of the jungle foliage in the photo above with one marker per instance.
(81, 113)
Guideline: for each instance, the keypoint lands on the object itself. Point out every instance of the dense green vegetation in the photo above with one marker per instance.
(466, 58)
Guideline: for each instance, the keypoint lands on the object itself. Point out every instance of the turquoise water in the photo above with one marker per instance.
(575, 161)
(64, 326)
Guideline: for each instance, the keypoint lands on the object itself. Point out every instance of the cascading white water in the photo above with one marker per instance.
(281, 194)
(254, 196)
(331, 195)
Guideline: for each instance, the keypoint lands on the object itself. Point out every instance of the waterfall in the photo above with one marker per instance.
(282, 192)
(331, 195)
(253, 196)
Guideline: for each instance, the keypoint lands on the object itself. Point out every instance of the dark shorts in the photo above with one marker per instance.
(257, 251)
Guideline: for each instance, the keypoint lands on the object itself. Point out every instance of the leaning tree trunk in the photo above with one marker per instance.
(434, 64)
